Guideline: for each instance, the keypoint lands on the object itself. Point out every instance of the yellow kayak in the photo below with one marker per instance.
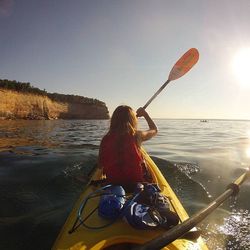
(120, 235)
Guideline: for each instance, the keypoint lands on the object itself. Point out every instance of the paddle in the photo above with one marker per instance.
(181, 229)
(181, 67)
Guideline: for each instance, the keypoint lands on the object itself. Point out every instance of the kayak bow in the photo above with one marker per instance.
(120, 235)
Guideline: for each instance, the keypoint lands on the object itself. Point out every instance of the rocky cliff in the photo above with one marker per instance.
(19, 105)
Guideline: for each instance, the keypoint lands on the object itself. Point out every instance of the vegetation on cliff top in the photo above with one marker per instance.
(26, 87)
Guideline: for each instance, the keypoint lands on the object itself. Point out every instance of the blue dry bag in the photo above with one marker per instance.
(150, 210)
(141, 216)
(112, 202)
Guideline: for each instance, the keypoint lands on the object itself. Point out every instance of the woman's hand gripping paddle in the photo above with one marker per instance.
(181, 67)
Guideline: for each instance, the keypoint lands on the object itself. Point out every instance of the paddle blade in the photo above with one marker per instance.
(184, 64)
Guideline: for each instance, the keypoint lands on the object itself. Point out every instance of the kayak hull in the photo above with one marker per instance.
(120, 235)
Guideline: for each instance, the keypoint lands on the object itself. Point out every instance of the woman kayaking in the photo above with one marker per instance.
(120, 156)
(122, 160)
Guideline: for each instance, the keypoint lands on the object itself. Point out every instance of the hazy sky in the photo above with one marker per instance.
(121, 52)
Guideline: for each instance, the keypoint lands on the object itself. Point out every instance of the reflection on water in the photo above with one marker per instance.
(50, 134)
(25, 133)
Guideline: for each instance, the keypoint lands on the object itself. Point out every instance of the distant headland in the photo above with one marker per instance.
(20, 100)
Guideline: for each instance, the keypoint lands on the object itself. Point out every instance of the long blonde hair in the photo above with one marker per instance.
(123, 120)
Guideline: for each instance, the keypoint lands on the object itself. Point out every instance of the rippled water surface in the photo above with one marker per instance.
(44, 166)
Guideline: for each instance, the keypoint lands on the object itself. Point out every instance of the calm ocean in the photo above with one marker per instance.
(44, 166)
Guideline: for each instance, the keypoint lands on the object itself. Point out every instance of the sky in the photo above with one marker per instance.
(121, 52)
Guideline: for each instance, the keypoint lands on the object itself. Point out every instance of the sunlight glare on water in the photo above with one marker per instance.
(248, 148)
(248, 152)
(236, 226)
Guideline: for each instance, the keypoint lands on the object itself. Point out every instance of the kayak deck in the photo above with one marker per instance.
(119, 235)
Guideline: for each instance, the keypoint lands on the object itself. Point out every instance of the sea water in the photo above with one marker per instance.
(45, 164)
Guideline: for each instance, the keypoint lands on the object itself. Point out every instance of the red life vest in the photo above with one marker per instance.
(121, 159)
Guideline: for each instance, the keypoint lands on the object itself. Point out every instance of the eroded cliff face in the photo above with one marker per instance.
(17, 105)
